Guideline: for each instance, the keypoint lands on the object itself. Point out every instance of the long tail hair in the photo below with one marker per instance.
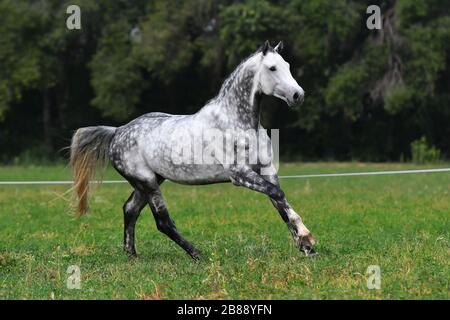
(88, 154)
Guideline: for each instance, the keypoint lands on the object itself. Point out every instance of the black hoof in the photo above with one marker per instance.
(131, 253)
(195, 255)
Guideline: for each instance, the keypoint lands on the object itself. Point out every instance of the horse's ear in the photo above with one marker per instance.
(279, 47)
(265, 47)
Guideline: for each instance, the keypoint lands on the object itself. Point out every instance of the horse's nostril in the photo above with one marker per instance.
(296, 96)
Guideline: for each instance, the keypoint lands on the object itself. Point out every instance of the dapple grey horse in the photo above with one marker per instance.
(149, 149)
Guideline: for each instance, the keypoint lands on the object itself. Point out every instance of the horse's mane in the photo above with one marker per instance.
(226, 85)
(228, 82)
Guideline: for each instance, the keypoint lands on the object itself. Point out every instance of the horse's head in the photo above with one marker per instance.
(275, 78)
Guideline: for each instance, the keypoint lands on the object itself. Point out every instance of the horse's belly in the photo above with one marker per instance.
(194, 174)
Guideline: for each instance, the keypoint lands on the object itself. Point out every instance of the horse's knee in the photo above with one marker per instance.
(276, 193)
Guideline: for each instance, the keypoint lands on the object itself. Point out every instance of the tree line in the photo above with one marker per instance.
(369, 93)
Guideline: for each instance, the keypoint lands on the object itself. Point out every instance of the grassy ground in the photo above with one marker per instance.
(401, 223)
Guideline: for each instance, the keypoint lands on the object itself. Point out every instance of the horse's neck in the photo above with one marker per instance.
(239, 95)
(238, 99)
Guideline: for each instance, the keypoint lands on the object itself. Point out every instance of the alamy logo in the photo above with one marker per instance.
(374, 278)
(229, 147)
(374, 20)
(74, 278)
(73, 22)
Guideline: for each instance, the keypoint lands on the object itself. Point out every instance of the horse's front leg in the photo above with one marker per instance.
(269, 185)
(301, 234)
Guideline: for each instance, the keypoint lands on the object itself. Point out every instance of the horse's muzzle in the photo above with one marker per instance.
(297, 99)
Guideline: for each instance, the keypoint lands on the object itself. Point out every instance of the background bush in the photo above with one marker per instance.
(423, 153)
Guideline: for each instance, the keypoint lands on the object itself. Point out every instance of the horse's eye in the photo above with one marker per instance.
(272, 68)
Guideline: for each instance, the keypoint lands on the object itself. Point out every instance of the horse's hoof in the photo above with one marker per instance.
(195, 256)
(306, 244)
(309, 252)
(131, 253)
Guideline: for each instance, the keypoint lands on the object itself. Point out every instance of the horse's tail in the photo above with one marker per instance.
(88, 152)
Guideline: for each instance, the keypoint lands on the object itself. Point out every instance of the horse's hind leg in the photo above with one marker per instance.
(166, 225)
(131, 210)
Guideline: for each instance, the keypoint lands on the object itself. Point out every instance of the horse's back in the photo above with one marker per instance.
(134, 141)
(149, 117)
(156, 115)
(147, 123)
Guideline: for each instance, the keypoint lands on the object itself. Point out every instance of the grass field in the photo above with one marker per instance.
(399, 222)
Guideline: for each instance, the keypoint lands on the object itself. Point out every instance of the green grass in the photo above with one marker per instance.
(399, 222)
